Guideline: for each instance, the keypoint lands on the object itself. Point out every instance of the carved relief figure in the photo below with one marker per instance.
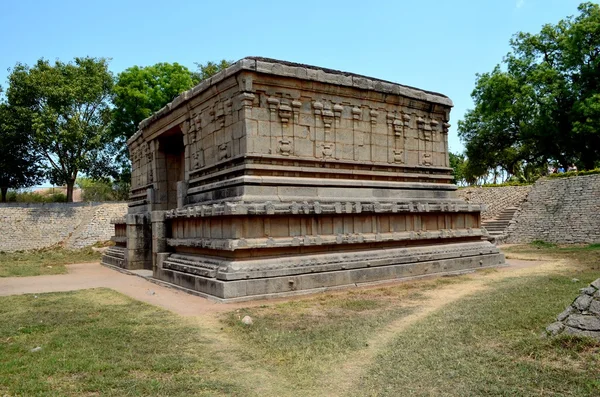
(195, 134)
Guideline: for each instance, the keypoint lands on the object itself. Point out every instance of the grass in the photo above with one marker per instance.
(489, 344)
(99, 342)
(43, 262)
(580, 257)
(303, 340)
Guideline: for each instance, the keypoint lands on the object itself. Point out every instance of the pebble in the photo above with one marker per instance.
(247, 320)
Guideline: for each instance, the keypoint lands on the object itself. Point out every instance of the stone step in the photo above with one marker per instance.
(506, 222)
(496, 225)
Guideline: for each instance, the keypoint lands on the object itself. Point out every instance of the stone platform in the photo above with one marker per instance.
(273, 177)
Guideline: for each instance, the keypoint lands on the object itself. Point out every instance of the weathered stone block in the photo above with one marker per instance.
(580, 321)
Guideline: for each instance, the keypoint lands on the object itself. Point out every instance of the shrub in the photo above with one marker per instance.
(34, 197)
(575, 173)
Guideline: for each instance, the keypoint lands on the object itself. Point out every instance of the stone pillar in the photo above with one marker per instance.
(182, 188)
(138, 242)
(159, 236)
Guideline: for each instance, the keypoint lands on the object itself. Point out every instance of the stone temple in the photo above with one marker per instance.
(274, 178)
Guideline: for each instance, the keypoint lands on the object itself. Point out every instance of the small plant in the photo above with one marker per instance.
(540, 244)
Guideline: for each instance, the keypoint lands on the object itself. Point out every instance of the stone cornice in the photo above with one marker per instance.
(295, 70)
(309, 208)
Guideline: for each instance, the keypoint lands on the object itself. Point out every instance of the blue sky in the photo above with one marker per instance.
(435, 45)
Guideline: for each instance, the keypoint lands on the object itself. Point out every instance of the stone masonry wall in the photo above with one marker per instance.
(563, 210)
(32, 226)
(496, 199)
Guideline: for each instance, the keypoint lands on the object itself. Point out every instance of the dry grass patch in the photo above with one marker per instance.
(43, 262)
(98, 342)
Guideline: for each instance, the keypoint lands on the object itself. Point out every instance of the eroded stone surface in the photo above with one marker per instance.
(582, 302)
(555, 328)
(568, 311)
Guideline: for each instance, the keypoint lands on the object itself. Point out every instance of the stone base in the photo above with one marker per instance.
(233, 280)
(114, 256)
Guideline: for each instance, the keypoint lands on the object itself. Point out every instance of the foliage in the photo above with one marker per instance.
(210, 68)
(19, 159)
(69, 109)
(543, 104)
(100, 190)
(509, 183)
(457, 163)
(574, 173)
(36, 197)
(141, 91)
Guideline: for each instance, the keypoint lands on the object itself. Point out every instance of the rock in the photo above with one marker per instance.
(578, 332)
(569, 310)
(588, 323)
(588, 291)
(596, 283)
(247, 320)
(582, 302)
(555, 328)
(150, 292)
(594, 307)
(36, 349)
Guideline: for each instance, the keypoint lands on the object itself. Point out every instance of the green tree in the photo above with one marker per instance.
(209, 69)
(141, 91)
(544, 103)
(69, 109)
(100, 189)
(19, 159)
(457, 162)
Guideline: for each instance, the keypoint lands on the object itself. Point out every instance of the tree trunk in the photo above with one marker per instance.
(70, 185)
(4, 190)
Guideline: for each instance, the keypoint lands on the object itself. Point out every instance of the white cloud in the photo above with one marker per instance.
(520, 3)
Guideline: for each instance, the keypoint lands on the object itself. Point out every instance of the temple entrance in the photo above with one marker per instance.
(171, 148)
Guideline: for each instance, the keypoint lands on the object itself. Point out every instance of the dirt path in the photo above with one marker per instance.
(345, 378)
(94, 275)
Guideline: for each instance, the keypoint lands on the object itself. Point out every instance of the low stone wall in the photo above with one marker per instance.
(26, 226)
(559, 210)
(495, 198)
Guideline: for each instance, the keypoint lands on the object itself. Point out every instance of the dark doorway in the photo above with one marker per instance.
(172, 148)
